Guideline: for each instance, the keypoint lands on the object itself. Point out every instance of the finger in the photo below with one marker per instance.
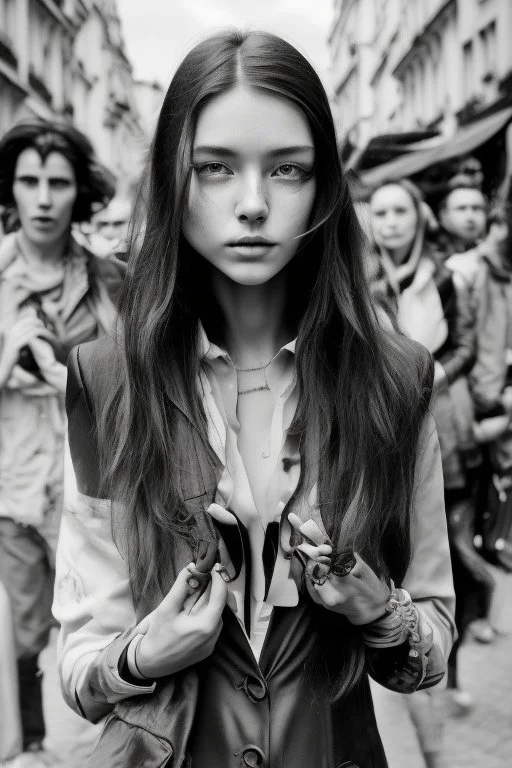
(31, 320)
(312, 531)
(314, 595)
(22, 336)
(172, 603)
(315, 553)
(294, 521)
(218, 594)
(308, 530)
(26, 336)
(198, 602)
(22, 329)
(221, 515)
(362, 570)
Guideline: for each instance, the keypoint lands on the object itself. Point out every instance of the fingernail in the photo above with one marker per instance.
(193, 582)
(221, 570)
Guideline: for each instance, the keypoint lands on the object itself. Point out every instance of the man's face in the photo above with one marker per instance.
(112, 221)
(44, 192)
(463, 215)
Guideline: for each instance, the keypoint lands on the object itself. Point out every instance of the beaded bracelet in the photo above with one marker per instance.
(399, 623)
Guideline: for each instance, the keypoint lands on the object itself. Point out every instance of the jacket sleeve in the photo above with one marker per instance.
(458, 359)
(93, 600)
(428, 581)
(487, 379)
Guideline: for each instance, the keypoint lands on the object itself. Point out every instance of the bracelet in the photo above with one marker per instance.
(131, 658)
(400, 623)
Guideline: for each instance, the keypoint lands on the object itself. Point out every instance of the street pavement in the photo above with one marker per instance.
(481, 739)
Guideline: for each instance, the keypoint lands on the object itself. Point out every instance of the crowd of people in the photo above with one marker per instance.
(445, 280)
(265, 436)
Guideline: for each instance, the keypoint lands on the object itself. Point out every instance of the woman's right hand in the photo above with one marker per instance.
(182, 631)
(13, 339)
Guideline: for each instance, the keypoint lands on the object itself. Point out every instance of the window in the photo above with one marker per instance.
(8, 19)
(488, 48)
(468, 72)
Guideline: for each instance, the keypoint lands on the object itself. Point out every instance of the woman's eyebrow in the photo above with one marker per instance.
(209, 149)
(296, 149)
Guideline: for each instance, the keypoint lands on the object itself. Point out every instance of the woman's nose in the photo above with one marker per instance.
(390, 221)
(252, 204)
(43, 198)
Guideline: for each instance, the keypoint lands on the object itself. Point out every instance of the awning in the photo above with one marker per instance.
(467, 138)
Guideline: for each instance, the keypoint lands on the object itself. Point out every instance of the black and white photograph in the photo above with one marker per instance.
(255, 384)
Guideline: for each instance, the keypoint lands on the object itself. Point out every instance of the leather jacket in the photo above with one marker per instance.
(229, 710)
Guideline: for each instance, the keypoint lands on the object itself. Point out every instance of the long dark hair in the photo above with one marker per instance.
(362, 392)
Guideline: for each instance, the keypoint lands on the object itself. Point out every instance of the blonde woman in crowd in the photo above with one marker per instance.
(417, 290)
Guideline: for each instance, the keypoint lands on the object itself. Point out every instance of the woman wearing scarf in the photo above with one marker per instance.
(53, 294)
(410, 281)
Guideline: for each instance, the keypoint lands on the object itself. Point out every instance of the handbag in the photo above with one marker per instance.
(495, 539)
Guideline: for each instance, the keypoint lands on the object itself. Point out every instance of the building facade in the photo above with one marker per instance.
(352, 59)
(66, 59)
(422, 64)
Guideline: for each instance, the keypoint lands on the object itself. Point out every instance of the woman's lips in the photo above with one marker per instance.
(254, 250)
(41, 222)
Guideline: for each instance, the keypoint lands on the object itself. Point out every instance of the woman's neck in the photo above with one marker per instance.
(254, 318)
(399, 255)
(50, 255)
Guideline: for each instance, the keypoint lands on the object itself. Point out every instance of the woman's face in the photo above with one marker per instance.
(44, 192)
(252, 185)
(394, 217)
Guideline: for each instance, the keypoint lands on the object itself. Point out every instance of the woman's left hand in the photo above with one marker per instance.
(361, 595)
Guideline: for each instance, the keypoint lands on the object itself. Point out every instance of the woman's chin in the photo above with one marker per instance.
(251, 274)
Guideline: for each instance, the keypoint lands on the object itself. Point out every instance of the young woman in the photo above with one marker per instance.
(259, 481)
(53, 294)
(420, 295)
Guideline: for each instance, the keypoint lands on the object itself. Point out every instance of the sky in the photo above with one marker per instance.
(158, 33)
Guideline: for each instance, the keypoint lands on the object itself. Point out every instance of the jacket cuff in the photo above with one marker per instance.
(403, 668)
(103, 686)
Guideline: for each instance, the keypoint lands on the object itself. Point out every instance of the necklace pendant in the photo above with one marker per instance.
(253, 389)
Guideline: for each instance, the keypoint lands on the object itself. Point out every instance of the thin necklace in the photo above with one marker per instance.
(250, 370)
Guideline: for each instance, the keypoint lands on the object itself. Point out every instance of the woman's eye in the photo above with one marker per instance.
(59, 183)
(212, 169)
(289, 171)
(28, 181)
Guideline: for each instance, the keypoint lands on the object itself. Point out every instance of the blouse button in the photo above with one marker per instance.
(252, 756)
